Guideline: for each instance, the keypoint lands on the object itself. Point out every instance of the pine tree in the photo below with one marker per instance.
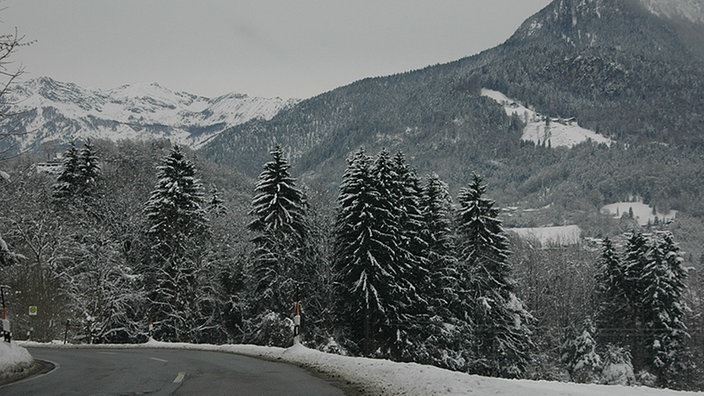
(579, 353)
(278, 206)
(448, 329)
(501, 335)
(280, 271)
(80, 174)
(67, 184)
(636, 257)
(643, 299)
(215, 206)
(414, 326)
(89, 168)
(367, 252)
(177, 233)
(664, 310)
(174, 212)
(611, 296)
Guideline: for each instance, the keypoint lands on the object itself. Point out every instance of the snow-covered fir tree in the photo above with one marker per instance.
(89, 168)
(447, 331)
(415, 326)
(67, 184)
(280, 273)
(215, 205)
(642, 305)
(614, 311)
(80, 173)
(579, 353)
(502, 338)
(664, 310)
(370, 281)
(177, 233)
(174, 211)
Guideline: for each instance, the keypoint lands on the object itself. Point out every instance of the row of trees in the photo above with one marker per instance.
(394, 270)
(642, 303)
(403, 288)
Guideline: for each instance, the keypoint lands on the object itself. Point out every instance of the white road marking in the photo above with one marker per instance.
(179, 377)
(158, 360)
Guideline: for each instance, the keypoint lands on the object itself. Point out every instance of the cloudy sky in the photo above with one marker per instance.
(286, 48)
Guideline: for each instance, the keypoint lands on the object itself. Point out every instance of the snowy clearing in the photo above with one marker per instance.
(373, 376)
(558, 132)
(642, 213)
(550, 236)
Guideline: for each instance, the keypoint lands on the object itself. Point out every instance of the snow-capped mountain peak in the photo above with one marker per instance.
(50, 110)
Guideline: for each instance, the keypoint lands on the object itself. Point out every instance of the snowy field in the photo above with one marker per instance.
(562, 133)
(382, 377)
(550, 236)
(642, 213)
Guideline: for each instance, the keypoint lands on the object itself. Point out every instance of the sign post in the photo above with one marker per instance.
(7, 335)
(33, 310)
(297, 324)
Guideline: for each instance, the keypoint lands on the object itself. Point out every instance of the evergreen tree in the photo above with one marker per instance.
(444, 343)
(579, 353)
(642, 300)
(177, 232)
(664, 310)
(216, 206)
(67, 184)
(613, 304)
(502, 340)
(278, 206)
(80, 173)
(415, 325)
(635, 260)
(366, 256)
(89, 168)
(280, 272)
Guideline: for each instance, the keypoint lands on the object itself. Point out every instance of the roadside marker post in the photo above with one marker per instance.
(6, 334)
(297, 324)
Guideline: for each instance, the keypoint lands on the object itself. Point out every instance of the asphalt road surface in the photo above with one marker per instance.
(165, 372)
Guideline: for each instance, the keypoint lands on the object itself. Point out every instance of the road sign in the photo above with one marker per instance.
(32, 310)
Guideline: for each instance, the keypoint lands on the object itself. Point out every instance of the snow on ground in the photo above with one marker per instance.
(374, 376)
(642, 213)
(13, 356)
(558, 132)
(551, 236)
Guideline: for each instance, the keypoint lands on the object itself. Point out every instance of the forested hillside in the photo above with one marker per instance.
(616, 67)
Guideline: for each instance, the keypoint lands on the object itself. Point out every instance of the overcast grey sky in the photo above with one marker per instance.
(287, 48)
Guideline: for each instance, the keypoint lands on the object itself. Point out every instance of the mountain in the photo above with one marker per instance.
(630, 70)
(47, 111)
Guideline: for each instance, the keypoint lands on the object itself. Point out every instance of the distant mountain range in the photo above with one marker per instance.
(49, 111)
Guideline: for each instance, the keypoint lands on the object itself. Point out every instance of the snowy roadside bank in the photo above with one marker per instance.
(15, 362)
(382, 377)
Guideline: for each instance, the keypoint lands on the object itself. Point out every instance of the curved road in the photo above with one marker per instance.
(165, 372)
